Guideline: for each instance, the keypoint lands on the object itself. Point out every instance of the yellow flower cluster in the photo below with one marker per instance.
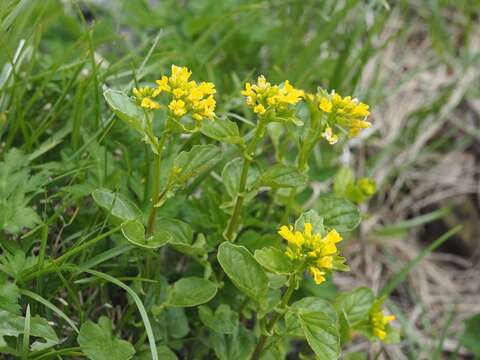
(316, 253)
(263, 97)
(144, 96)
(344, 111)
(187, 95)
(379, 321)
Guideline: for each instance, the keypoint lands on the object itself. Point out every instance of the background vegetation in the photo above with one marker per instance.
(417, 63)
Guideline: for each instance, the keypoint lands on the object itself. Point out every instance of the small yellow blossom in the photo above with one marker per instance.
(317, 254)
(264, 97)
(325, 105)
(179, 75)
(317, 274)
(144, 96)
(379, 320)
(149, 104)
(344, 111)
(259, 109)
(177, 107)
(163, 84)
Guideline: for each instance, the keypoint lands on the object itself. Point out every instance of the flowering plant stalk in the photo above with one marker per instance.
(218, 255)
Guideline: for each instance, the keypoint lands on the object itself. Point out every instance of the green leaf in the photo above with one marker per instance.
(125, 108)
(344, 178)
(17, 188)
(134, 232)
(177, 323)
(199, 159)
(274, 260)
(338, 213)
(223, 130)
(12, 325)
(321, 334)
(191, 291)
(355, 305)
(116, 204)
(98, 343)
(237, 346)
(223, 321)
(164, 353)
(312, 217)
(282, 176)
(9, 295)
(182, 236)
(471, 335)
(231, 177)
(307, 304)
(242, 269)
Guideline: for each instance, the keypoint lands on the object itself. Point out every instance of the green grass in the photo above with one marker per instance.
(58, 56)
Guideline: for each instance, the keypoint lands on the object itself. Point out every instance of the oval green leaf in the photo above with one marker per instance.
(98, 342)
(321, 334)
(191, 291)
(281, 176)
(312, 217)
(199, 159)
(242, 269)
(231, 176)
(223, 130)
(125, 108)
(134, 232)
(338, 213)
(274, 260)
(355, 305)
(116, 204)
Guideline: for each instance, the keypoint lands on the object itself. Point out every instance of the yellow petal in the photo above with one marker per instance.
(307, 229)
(318, 275)
(286, 233)
(333, 236)
(325, 105)
(325, 262)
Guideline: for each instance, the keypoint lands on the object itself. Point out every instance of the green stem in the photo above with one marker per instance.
(156, 184)
(303, 157)
(247, 160)
(263, 339)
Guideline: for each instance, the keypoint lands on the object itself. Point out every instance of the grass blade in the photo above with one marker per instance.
(397, 279)
(49, 305)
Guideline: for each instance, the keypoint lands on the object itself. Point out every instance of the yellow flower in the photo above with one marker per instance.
(163, 84)
(264, 97)
(288, 94)
(317, 274)
(177, 107)
(259, 109)
(179, 75)
(357, 125)
(315, 253)
(379, 321)
(345, 111)
(325, 105)
(207, 88)
(188, 96)
(144, 96)
(149, 104)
